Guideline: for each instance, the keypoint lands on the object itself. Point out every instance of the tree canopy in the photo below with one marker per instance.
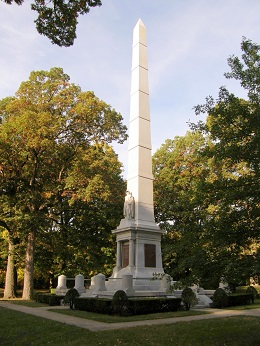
(57, 167)
(58, 19)
(210, 183)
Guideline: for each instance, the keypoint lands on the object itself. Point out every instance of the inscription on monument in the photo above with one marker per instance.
(149, 255)
(125, 255)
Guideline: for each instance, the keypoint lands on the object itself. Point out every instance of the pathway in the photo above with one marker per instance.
(98, 326)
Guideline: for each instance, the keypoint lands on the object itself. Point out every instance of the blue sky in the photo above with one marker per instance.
(189, 42)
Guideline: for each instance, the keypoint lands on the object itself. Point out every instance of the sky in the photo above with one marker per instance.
(189, 42)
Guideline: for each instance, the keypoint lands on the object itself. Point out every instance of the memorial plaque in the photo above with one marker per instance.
(125, 255)
(150, 255)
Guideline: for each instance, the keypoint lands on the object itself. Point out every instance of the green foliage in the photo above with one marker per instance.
(188, 298)
(61, 183)
(181, 207)
(233, 125)
(220, 298)
(253, 292)
(50, 299)
(98, 305)
(139, 306)
(70, 297)
(58, 19)
(131, 306)
(236, 299)
(120, 302)
(207, 186)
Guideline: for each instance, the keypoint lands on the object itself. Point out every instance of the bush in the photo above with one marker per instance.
(99, 305)
(70, 297)
(85, 304)
(188, 298)
(239, 299)
(103, 306)
(135, 306)
(220, 298)
(47, 298)
(120, 302)
(142, 306)
(253, 292)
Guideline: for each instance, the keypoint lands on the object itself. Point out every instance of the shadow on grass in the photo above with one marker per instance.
(118, 319)
(17, 328)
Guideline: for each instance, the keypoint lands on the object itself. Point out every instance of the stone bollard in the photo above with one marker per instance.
(127, 283)
(92, 283)
(61, 289)
(62, 282)
(166, 283)
(100, 282)
(201, 291)
(79, 283)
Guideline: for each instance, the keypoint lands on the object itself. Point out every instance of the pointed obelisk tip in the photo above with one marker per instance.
(140, 22)
(139, 33)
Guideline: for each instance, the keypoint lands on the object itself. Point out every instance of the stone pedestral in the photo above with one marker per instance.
(98, 283)
(79, 284)
(127, 283)
(61, 289)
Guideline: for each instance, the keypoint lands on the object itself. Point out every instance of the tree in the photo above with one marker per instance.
(45, 130)
(10, 277)
(233, 125)
(58, 19)
(207, 186)
(182, 207)
(86, 214)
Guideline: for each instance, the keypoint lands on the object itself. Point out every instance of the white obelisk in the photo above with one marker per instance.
(140, 178)
(138, 236)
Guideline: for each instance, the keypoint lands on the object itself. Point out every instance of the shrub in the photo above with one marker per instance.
(220, 298)
(103, 306)
(138, 306)
(99, 305)
(85, 304)
(239, 299)
(70, 297)
(188, 298)
(47, 298)
(120, 302)
(135, 306)
(253, 292)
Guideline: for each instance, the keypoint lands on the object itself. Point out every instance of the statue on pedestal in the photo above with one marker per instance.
(129, 206)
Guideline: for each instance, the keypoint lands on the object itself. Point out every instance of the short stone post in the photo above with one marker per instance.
(127, 283)
(165, 283)
(62, 282)
(201, 291)
(61, 289)
(195, 289)
(100, 282)
(79, 283)
(223, 284)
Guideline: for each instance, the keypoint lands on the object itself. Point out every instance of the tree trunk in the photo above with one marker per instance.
(29, 267)
(10, 282)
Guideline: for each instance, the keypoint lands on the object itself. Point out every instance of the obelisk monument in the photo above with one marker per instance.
(138, 236)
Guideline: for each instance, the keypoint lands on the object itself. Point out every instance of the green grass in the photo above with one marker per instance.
(29, 303)
(246, 307)
(116, 319)
(17, 329)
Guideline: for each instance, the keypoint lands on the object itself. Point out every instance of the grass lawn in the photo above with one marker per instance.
(29, 303)
(246, 307)
(118, 319)
(17, 328)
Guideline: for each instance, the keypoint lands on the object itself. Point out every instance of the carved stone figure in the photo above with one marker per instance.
(129, 206)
